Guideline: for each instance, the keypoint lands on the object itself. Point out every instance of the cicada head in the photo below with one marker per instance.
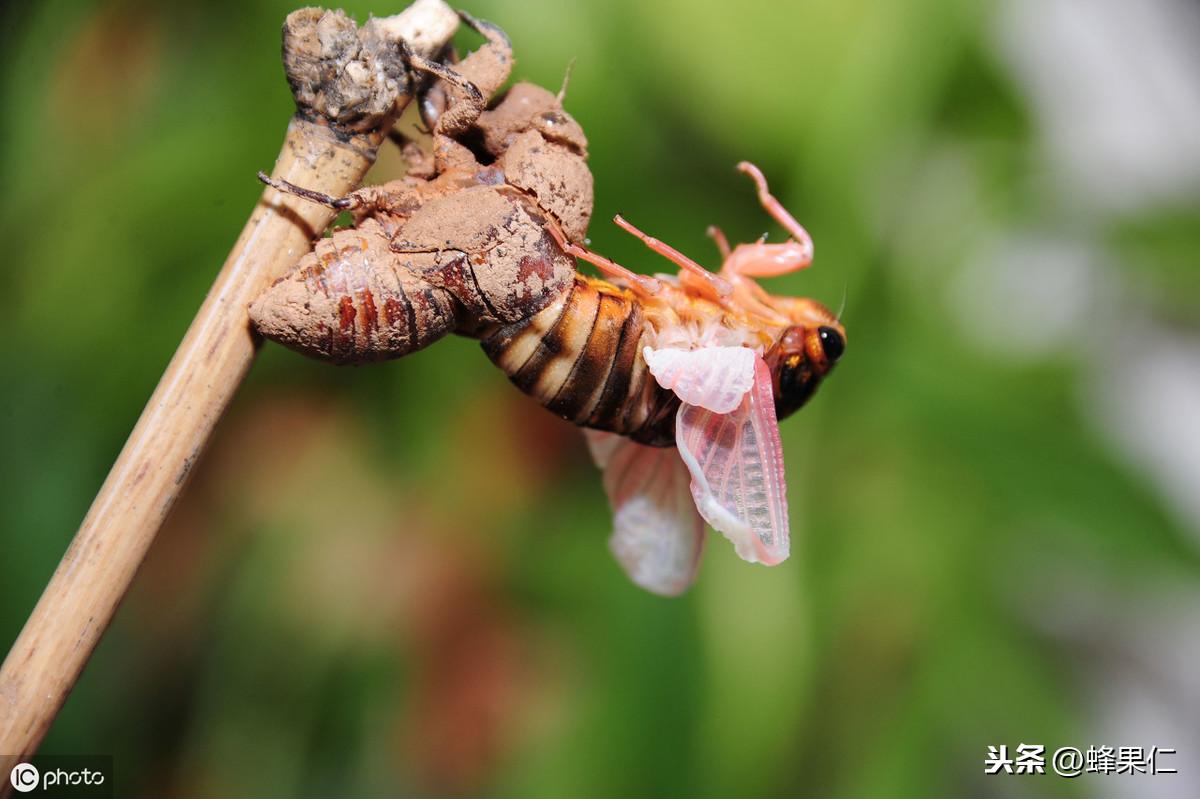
(804, 354)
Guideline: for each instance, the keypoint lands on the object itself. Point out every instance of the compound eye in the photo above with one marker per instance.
(832, 343)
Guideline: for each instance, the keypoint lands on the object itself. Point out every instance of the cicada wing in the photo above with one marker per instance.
(657, 534)
(602, 446)
(714, 378)
(736, 464)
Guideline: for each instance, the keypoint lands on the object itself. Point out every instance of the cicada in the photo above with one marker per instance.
(681, 381)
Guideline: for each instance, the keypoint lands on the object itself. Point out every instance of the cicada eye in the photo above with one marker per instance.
(795, 384)
(832, 343)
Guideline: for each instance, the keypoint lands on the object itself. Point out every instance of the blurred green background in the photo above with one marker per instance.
(393, 580)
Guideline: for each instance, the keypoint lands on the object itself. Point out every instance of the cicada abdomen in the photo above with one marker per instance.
(581, 357)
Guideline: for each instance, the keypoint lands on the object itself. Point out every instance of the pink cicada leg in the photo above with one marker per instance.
(641, 284)
(718, 236)
(711, 285)
(768, 260)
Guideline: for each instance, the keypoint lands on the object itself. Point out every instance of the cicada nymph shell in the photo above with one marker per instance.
(465, 246)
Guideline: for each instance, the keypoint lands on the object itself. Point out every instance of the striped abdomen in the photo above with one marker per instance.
(581, 358)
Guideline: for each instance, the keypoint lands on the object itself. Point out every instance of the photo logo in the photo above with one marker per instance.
(24, 777)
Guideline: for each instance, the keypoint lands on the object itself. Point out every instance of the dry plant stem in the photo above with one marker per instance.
(327, 150)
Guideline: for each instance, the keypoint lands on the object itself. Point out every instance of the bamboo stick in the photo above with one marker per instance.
(343, 115)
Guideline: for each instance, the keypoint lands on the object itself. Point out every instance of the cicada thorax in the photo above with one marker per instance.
(581, 357)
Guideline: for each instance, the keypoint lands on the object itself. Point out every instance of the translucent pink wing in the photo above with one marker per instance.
(736, 463)
(657, 534)
(715, 378)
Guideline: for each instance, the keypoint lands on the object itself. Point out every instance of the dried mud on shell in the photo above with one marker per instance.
(468, 247)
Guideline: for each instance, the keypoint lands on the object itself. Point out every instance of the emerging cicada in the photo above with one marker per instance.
(679, 380)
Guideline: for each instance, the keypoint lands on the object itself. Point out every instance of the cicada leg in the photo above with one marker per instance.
(708, 284)
(767, 260)
(419, 163)
(640, 284)
(475, 78)
(362, 201)
(718, 236)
